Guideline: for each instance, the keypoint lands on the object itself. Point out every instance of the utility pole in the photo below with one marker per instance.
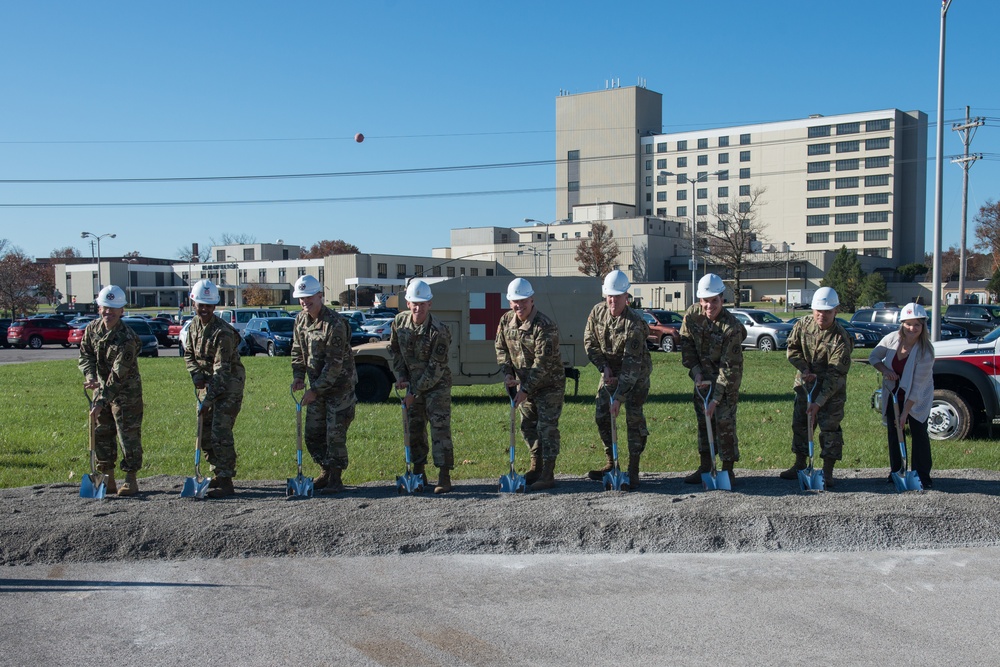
(968, 129)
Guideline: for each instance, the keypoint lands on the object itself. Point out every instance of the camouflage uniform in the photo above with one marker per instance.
(321, 350)
(828, 355)
(211, 357)
(420, 356)
(619, 343)
(111, 358)
(715, 351)
(530, 352)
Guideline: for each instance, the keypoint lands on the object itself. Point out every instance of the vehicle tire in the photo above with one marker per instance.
(373, 385)
(374, 339)
(180, 350)
(35, 342)
(271, 352)
(950, 417)
(667, 343)
(766, 344)
(66, 345)
(156, 353)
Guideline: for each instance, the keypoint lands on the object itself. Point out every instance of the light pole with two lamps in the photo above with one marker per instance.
(694, 198)
(98, 238)
(548, 244)
(129, 261)
(534, 255)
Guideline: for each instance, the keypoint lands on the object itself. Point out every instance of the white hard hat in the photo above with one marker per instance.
(518, 289)
(710, 285)
(306, 286)
(912, 311)
(418, 291)
(615, 283)
(825, 298)
(205, 291)
(111, 296)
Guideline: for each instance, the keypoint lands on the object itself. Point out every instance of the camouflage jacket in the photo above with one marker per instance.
(211, 356)
(825, 353)
(530, 351)
(419, 353)
(112, 359)
(321, 350)
(713, 349)
(620, 344)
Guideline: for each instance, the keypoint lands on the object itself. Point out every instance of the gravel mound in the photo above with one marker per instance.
(51, 523)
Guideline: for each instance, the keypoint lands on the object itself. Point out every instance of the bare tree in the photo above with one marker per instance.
(730, 240)
(19, 276)
(640, 270)
(235, 239)
(988, 230)
(183, 253)
(596, 256)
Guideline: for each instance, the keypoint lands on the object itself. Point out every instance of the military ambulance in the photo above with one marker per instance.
(472, 307)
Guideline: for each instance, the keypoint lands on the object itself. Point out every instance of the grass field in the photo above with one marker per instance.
(43, 425)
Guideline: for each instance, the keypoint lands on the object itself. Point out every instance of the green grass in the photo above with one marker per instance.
(43, 426)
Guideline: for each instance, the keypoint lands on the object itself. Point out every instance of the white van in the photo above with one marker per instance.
(238, 317)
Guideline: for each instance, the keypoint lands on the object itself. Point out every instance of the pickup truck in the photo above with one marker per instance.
(174, 330)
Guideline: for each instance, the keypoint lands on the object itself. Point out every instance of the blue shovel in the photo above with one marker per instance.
(298, 486)
(715, 479)
(407, 482)
(809, 479)
(197, 486)
(615, 479)
(93, 485)
(903, 479)
(512, 482)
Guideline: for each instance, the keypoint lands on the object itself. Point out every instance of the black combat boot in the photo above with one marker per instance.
(706, 466)
(547, 478)
(532, 474)
(223, 490)
(598, 475)
(793, 472)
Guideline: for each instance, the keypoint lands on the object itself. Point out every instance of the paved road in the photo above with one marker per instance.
(887, 608)
(13, 355)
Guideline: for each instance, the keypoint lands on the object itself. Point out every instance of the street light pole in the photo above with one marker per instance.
(548, 244)
(98, 238)
(128, 278)
(938, 185)
(788, 250)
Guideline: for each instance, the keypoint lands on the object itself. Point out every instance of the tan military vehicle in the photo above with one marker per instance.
(472, 307)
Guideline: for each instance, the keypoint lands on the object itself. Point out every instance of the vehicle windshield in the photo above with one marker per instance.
(767, 318)
(991, 336)
(281, 324)
(140, 328)
(664, 317)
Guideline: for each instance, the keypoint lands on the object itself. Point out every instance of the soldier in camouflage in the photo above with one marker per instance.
(321, 351)
(712, 351)
(615, 340)
(109, 355)
(820, 349)
(419, 345)
(527, 346)
(213, 361)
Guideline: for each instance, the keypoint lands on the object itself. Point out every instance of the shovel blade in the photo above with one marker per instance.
(93, 486)
(616, 480)
(913, 482)
(811, 480)
(409, 483)
(899, 480)
(195, 489)
(512, 483)
(718, 482)
(300, 487)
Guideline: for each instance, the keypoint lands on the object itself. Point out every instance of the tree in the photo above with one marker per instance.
(327, 248)
(730, 239)
(910, 271)
(596, 256)
(640, 271)
(183, 253)
(235, 239)
(67, 252)
(255, 295)
(19, 276)
(987, 223)
(845, 276)
(993, 286)
(873, 290)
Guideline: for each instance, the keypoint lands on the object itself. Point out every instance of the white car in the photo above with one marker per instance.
(382, 328)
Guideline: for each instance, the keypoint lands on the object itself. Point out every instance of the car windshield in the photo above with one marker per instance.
(140, 328)
(991, 336)
(767, 318)
(665, 317)
(281, 324)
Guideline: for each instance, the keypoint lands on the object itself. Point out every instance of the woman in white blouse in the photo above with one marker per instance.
(906, 360)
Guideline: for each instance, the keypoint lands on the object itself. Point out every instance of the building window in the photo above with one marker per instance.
(451, 271)
(461, 270)
(489, 272)
(818, 237)
(418, 269)
(744, 156)
(723, 208)
(744, 190)
(701, 209)
(401, 270)
(573, 155)
(248, 253)
(682, 195)
(649, 148)
(723, 192)
(661, 147)
(702, 160)
(661, 163)
(818, 149)
(818, 184)
(649, 180)
(702, 144)
(846, 200)
(682, 178)
(723, 158)
(282, 277)
(723, 174)
(744, 172)
(661, 179)
(848, 128)
(848, 146)
(682, 211)
(877, 125)
(877, 180)
(876, 235)
(817, 220)
(847, 165)
(818, 167)
(876, 144)
(723, 142)
(661, 195)
(702, 193)
(876, 216)
(876, 252)
(383, 271)
(745, 139)
(877, 198)
(847, 182)
(473, 271)
(436, 271)
(649, 196)
(661, 212)
(649, 165)
(573, 186)
(744, 207)
(818, 202)
(301, 272)
(845, 219)
(262, 275)
(845, 237)
(876, 162)
(819, 131)
(220, 255)
(682, 162)
(682, 145)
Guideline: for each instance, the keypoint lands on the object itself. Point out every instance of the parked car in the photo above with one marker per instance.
(161, 330)
(886, 320)
(380, 327)
(174, 330)
(4, 325)
(978, 319)
(243, 348)
(238, 317)
(35, 333)
(861, 337)
(355, 315)
(765, 331)
(359, 336)
(76, 335)
(272, 335)
(664, 329)
(383, 312)
(150, 346)
(82, 320)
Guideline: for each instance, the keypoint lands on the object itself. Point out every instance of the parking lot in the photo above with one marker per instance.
(13, 355)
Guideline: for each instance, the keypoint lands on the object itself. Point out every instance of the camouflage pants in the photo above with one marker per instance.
(433, 407)
(727, 445)
(326, 433)
(635, 420)
(217, 431)
(121, 419)
(540, 421)
(831, 437)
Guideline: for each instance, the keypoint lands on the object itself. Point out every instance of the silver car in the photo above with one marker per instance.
(765, 331)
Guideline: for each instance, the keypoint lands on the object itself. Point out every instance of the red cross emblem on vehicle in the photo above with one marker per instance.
(485, 311)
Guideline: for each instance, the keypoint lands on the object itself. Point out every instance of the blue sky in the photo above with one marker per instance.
(136, 90)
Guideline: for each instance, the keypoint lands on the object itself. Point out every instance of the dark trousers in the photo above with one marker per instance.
(920, 448)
